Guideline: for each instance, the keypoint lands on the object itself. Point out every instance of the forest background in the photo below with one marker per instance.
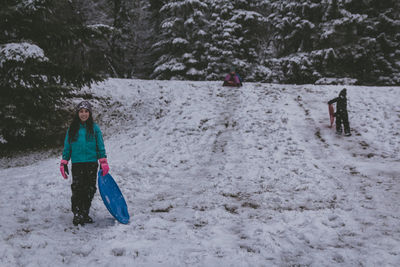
(50, 49)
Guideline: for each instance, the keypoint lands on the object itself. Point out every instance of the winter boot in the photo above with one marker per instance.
(347, 134)
(78, 219)
(87, 219)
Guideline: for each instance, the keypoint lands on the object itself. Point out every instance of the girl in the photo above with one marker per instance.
(84, 146)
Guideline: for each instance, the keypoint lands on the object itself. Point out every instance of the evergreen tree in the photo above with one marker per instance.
(181, 44)
(42, 58)
(353, 39)
(121, 39)
(294, 25)
(142, 39)
(236, 32)
(221, 53)
(362, 37)
(379, 44)
(264, 40)
(294, 34)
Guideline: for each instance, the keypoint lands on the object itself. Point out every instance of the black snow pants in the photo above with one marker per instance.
(342, 118)
(83, 187)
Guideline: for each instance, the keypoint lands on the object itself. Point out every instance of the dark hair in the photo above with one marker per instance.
(74, 127)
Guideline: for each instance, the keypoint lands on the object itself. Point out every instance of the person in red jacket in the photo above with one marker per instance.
(232, 79)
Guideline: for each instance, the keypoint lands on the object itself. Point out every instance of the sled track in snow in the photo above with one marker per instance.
(218, 176)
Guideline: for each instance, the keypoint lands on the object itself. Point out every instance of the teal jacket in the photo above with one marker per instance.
(85, 148)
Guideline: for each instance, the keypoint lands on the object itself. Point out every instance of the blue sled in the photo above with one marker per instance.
(112, 197)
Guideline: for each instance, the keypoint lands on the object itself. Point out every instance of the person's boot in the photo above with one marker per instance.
(87, 219)
(339, 130)
(347, 134)
(78, 219)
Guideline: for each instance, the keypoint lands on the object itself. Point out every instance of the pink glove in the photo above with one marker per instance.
(64, 168)
(104, 165)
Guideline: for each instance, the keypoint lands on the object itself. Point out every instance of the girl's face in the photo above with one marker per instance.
(83, 114)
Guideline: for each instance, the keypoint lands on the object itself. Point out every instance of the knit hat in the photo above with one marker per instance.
(84, 104)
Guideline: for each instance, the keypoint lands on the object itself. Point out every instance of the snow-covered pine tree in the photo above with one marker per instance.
(42, 58)
(181, 41)
(362, 37)
(377, 56)
(221, 53)
(336, 39)
(236, 31)
(294, 34)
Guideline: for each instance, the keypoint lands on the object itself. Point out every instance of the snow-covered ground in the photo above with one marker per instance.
(217, 176)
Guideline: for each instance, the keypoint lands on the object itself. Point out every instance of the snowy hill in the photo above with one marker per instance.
(218, 176)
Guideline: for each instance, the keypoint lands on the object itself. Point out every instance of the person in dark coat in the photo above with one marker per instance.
(341, 114)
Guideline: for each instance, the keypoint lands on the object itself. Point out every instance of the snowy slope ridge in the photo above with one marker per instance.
(218, 176)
